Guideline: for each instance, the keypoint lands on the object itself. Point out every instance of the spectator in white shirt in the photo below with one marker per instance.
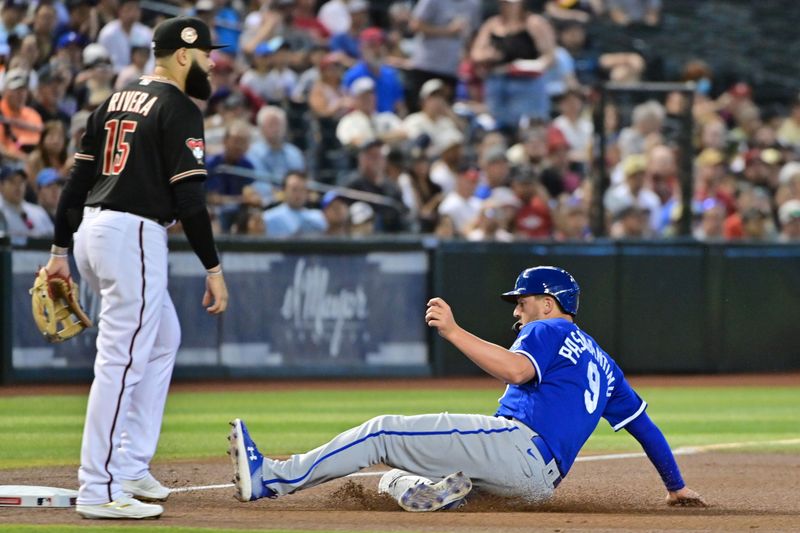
(634, 192)
(270, 78)
(23, 219)
(118, 35)
(335, 16)
(576, 127)
(648, 119)
(364, 123)
(140, 55)
(436, 119)
(445, 168)
(461, 205)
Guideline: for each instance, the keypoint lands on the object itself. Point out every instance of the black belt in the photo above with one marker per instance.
(159, 221)
(547, 458)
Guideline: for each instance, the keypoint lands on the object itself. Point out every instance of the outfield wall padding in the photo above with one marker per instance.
(677, 307)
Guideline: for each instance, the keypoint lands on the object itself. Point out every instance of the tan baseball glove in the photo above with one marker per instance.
(54, 301)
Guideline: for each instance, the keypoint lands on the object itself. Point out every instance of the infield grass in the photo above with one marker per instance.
(46, 430)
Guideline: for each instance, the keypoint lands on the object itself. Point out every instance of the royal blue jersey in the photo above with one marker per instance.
(576, 383)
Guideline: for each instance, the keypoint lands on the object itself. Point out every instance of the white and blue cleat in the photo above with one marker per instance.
(247, 465)
(448, 493)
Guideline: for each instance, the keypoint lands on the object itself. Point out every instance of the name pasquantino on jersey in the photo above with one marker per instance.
(576, 344)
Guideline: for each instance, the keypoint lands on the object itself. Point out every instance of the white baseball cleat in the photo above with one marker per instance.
(445, 494)
(122, 508)
(147, 489)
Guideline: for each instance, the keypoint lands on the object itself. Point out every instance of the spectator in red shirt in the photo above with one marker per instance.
(532, 220)
(709, 177)
(558, 177)
(304, 18)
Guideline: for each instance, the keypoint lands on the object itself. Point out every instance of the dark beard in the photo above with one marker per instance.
(197, 84)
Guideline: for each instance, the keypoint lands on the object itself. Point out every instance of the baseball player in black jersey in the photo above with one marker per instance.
(140, 167)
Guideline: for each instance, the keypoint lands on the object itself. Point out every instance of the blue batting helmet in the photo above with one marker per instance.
(553, 281)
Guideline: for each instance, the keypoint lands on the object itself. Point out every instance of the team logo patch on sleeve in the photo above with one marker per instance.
(198, 149)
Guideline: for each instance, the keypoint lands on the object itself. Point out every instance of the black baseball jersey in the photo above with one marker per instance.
(143, 139)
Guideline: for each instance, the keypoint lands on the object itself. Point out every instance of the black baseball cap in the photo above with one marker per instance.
(183, 32)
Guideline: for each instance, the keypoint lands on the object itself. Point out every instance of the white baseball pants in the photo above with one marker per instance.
(123, 257)
(496, 453)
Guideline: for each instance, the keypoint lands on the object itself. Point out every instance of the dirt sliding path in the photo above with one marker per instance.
(747, 492)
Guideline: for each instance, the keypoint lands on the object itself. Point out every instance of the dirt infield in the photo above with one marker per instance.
(747, 492)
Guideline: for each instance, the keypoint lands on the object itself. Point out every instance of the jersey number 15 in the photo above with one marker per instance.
(117, 149)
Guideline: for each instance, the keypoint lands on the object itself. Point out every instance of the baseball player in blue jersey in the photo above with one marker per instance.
(560, 383)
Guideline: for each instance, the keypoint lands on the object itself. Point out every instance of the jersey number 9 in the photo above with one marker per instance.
(591, 396)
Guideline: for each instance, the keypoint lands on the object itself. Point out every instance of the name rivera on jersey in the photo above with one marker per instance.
(576, 344)
(131, 102)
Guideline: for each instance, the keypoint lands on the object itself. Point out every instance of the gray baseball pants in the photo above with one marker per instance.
(496, 453)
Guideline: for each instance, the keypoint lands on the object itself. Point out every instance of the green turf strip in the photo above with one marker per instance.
(46, 430)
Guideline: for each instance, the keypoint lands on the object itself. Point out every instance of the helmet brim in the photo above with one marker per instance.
(511, 296)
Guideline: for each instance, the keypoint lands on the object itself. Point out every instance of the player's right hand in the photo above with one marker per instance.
(686, 497)
(215, 299)
(440, 316)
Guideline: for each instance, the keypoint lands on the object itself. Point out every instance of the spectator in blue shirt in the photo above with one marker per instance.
(273, 157)
(226, 24)
(347, 42)
(388, 86)
(292, 217)
(224, 189)
(79, 15)
(12, 13)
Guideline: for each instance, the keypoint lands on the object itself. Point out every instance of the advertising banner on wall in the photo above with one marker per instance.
(289, 313)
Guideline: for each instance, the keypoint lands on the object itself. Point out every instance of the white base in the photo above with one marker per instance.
(31, 496)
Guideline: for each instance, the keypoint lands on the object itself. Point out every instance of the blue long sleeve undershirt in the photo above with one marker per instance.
(657, 449)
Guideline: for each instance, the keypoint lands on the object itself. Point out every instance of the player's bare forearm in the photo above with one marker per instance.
(493, 359)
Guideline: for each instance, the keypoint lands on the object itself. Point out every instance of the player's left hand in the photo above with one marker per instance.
(57, 266)
(440, 316)
(685, 497)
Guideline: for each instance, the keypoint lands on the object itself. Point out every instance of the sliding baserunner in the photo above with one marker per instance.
(560, 383)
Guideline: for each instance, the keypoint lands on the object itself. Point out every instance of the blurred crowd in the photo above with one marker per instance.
(460, 118)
